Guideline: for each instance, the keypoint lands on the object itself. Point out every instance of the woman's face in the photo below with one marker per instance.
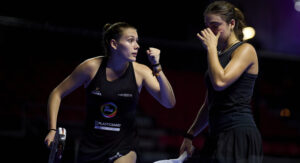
(217, 24)
(127, 45)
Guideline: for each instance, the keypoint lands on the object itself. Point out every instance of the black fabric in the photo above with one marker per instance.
(238, 145)
(231, 107)
(233, 136)
(110, 128)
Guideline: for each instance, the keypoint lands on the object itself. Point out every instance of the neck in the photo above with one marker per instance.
(229, 43)
(117, 64)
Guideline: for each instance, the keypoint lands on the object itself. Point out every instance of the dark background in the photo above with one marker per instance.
(42, 43)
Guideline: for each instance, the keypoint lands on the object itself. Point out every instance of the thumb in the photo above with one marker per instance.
(48, 143)
(218, 34)
(181, 150)
(190, 151)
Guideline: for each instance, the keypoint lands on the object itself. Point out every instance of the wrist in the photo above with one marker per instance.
(156, 64)
(156, 68)
(212, 49)
(189, 136)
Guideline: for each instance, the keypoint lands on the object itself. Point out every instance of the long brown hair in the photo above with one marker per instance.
(228, 11)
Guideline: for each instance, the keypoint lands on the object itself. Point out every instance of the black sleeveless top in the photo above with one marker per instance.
(111, 108)
(231, 107)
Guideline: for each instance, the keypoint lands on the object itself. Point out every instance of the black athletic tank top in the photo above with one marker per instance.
(111, 109)
(231, 107)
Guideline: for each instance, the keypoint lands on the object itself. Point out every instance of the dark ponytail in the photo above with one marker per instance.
(228, 11)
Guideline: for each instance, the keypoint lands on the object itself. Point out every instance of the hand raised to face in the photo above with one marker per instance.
(208, 38)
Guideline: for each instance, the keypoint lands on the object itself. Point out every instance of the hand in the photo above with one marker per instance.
(153, 55)
(187, 145)
(208, 38)
(49, 138)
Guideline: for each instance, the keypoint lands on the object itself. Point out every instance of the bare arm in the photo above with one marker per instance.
(201, 120)
(242, 58)
(158, 86)
(199, 124)
(81, 75)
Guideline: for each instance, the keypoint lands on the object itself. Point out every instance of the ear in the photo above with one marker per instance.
(232, 23)
(113, 44)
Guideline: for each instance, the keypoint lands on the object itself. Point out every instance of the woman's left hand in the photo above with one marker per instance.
(208, 38)
(153, 55)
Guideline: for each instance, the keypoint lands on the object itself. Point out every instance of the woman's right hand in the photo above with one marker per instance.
(49, 138)
(153, 55)
(187, 145)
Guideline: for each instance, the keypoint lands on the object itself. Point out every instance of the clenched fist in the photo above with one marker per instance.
(153, 55)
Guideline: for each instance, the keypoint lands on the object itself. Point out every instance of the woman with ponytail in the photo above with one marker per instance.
(113, 82)
(230, 79)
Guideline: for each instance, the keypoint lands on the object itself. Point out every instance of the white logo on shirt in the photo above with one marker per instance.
(116, 127)
(96, 92)
(125, 94)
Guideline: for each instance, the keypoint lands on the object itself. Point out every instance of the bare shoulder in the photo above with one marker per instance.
(246, 50)
(95, 61)
(91, 64)
(90, 67)
(140, 68)
(247, 47)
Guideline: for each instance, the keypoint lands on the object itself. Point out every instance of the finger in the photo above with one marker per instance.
(181, 150)
(218, 34)
(203, 33)
(206, 30)
(200, 37)
(209, 31)
(190, 151)
(47, 143)
(150, 55)
(157, 51)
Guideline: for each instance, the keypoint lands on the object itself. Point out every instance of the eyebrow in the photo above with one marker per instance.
(131, 36)
(214, 22)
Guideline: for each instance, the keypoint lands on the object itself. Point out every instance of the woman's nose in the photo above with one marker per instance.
(137, 46)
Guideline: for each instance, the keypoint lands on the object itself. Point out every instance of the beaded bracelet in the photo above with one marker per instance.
(157, 64)
(52, 129)
(156, 69)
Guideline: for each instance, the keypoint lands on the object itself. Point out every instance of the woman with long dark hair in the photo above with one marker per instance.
(230, 79)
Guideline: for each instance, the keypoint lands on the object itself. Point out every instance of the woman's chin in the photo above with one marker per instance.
(132, 59)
